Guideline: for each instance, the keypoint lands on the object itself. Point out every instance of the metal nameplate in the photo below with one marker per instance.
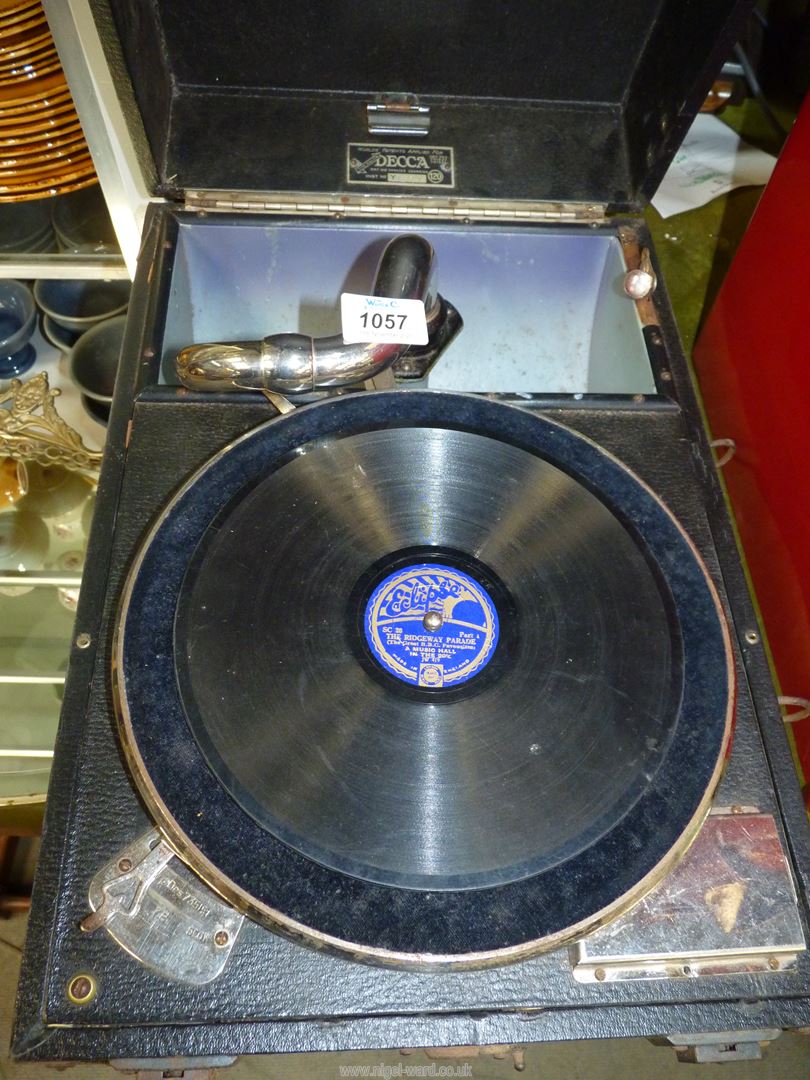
(160, 912)
(398, 164)
(728, 907)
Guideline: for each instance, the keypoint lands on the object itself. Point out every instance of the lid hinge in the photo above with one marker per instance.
(338, 205)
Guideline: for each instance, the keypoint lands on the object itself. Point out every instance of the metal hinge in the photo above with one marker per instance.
(338, 205)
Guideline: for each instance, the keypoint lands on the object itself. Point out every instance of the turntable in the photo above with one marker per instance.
(418, 699)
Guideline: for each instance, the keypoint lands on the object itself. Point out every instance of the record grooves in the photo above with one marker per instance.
(440, 691)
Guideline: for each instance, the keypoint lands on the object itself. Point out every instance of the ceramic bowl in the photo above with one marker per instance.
(78, 305)
(18, 316)
(62, 339)
(97, 410)
(94, 359)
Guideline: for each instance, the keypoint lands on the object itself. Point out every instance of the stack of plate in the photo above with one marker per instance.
(43, 148)
(82, 223)
(26, 228)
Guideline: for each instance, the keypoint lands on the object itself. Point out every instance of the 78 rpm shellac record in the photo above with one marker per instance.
(423, 678)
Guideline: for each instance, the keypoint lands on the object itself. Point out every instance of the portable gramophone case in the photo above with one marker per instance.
(417, 697)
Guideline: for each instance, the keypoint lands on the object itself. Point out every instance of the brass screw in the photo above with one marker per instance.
(600, 974)
(752, 637)
(773, 963)
(124, 865)
(221, 938)
(83, 641)
(81, 989)
(666, 375)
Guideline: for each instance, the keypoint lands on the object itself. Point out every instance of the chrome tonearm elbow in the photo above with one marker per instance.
(298, 364)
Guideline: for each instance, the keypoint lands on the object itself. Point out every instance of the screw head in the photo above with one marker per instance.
(83, 641)
(638, 284)
(773, 963)
(81, 989)
(432, 621)
(221, 938)
(600, 974)
(752, 637)
(124, 865)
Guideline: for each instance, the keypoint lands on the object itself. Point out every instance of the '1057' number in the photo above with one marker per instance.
(377, 321)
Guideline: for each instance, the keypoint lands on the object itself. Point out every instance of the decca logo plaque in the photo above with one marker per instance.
(397, 164)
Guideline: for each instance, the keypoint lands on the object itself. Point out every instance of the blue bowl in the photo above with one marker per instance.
(79, 304)
(18, 316)
(94, 359)
(62, 339)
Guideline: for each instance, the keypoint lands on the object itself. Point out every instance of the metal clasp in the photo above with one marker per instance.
(398, 114)
(124, 893)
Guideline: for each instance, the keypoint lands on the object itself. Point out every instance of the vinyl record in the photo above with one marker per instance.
(423, 678)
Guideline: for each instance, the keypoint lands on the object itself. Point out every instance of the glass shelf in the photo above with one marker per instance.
(43, 539)
(66, 236)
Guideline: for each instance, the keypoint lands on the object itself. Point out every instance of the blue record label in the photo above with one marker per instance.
(431, 625)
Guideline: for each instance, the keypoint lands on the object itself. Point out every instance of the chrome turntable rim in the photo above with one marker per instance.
(212, 832)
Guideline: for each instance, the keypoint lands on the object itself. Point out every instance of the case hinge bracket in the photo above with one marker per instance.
(339, 205)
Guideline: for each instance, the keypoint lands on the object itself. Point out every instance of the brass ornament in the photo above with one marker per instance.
(32, 430)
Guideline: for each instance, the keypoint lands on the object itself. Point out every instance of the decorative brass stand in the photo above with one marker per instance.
(44, 437)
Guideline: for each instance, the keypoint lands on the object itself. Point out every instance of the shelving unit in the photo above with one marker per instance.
(35, 627)
(121, 161)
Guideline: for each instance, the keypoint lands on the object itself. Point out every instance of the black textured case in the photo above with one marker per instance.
(552, 100)
(275, 995)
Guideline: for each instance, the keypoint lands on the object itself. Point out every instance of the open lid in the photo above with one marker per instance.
(549, 100)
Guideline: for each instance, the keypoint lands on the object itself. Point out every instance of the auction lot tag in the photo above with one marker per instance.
(381, 318)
